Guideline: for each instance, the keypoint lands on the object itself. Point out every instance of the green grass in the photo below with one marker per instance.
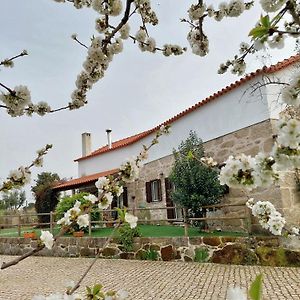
(166, 231)
(13, 232)
(145, 230)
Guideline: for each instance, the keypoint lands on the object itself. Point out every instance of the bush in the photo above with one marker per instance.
(68, 202)
(126, 235)
(201, 255)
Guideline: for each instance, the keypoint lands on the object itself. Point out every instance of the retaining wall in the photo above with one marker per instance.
(228, 250)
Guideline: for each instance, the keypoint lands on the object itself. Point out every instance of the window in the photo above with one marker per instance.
(153, 191)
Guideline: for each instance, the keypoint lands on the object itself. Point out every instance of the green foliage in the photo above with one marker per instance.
(68, 202)
(13, 200)
(201, 255)
(96, 293)
(46, 199)
(195, 183)
(255, 291)
(149, 254)
(126, 235)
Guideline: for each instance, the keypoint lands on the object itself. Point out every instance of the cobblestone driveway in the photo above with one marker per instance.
(144, 280)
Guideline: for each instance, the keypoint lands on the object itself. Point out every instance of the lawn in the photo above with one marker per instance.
(145, 230)
(167, 231)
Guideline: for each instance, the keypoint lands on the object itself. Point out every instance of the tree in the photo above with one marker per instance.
(280, 18)
(195, 183)
(46, 198)
(13, 200)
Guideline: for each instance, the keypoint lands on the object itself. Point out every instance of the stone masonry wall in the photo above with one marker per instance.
(226, 250)
(249, 140)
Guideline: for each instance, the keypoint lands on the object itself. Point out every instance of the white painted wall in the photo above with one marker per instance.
(273, 94)
(228, 113)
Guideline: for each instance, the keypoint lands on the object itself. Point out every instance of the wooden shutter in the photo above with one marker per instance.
(148, 192)
(125, 197)
(159, 190)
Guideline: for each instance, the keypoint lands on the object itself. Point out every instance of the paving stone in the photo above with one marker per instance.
(144, 280)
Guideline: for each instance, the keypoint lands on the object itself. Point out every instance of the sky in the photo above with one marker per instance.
(139, 90)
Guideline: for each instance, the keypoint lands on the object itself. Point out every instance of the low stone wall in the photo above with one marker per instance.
(271, 251)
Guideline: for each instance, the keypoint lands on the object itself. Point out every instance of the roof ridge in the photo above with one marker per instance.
(131, 139)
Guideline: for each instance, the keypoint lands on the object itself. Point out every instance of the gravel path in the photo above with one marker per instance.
(144, 280)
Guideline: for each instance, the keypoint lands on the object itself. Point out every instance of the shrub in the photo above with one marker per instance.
(201, 255)
(68, 202)
(126, 235)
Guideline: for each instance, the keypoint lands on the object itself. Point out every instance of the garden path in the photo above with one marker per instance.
(144, 280)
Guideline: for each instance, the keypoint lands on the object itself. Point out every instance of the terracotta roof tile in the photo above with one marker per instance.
(132, 139)
(78, 182)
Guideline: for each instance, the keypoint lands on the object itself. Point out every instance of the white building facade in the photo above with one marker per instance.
(237, 119)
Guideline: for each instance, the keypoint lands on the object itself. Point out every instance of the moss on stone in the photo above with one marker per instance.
(278, 257)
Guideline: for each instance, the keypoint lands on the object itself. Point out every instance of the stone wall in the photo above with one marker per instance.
(227, 250)
(249, 140)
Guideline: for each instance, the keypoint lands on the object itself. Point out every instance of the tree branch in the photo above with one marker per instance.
(77, 285)
(23, 53)
(120, 25)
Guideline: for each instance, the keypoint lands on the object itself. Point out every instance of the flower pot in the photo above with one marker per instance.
(29, 235)
(78, 233)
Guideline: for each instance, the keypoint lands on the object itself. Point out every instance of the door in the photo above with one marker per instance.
(171, 214)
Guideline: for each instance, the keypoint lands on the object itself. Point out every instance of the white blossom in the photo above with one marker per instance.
(92, 198)
(121, 295)
(238, 172)
(105, 201)
(111, 7)
(141, 35)
(236, 293)
(276, 223)
(290, 94)
(129, 170)
(277, 41)
(269, 218)
(196, 11)
(124, 31)
(17, 100)
(47, 238)
(198, 42)
(21, 176)
(272, 5)
(235, 8)
(118, 190)
(169, 49)
(131, 220)
(102, 184)
(83, 220)
(295, 231)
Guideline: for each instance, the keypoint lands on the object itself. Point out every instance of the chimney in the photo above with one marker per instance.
(86, 144)
(108, 132)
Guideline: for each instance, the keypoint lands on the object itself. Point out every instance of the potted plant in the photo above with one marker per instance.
(30, 235)
(78, 233)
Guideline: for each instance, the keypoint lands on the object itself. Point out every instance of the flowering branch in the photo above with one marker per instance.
(74, 37)
(107, 188)
(77, 285)
(8, 62)
(21, 176)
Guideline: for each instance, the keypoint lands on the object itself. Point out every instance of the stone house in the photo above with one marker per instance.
(239, 118)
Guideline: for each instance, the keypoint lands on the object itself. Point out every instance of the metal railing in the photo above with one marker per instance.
(109, 218)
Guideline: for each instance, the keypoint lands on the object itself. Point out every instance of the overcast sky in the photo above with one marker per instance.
(139, 91)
